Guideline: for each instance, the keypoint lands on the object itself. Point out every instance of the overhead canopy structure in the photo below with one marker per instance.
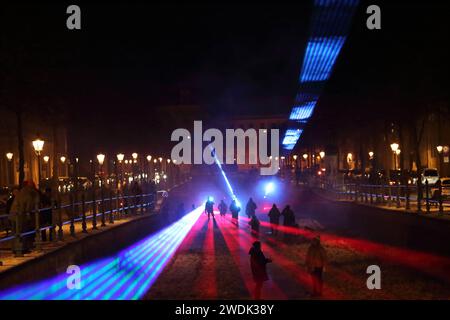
(328, 31)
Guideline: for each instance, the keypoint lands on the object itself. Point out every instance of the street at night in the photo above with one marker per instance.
(225, 159)
(212, 261)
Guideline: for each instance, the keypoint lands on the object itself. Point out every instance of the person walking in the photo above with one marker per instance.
(250, 208)
(258, 262)
(234, 209)
(254, 224)
(209, 208)
(288, 217)
(274, 218)
(222, 208)
(316, 259)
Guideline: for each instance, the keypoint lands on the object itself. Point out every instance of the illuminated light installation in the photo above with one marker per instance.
(323, 51)
(125, 276)
(291, 137)
(328, 32)
(303, 111)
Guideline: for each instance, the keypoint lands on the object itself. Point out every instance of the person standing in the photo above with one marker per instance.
(250, 208)
(209, 208)
(274, 218)
(254, 224)
(234, 209)
(258, 262)
(316, 259)
(222, 208)
(288, 217)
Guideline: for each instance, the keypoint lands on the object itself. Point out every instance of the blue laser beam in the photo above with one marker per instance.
(125, 276)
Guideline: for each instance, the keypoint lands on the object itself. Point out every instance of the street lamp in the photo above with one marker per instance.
(322, 154)
(46, 160)
(63, 159)
(9, 156)
(160, 159)
(134, 155)
(120, 157)
(439, 150)
(38, 146)
(101, 158)
(149, 158)
(371, 154)
(394, 148)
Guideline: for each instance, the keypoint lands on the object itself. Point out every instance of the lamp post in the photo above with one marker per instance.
(9, 157)
(38, 146)
(134, 155)
(305, 157)
(63, 161)
(101, 159)
(149, 165)
(439, 149)
(47, 168)
(394, 148)
(120, 157)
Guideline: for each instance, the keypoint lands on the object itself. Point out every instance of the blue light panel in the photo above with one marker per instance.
(291, 137)
(321, 54)
(302, 112)
(329, 27)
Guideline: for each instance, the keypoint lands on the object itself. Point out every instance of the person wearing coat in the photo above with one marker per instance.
(289, 217)
(316, 259)
(274, 218)
(254, 224)
(234, 209)
(250, 208)
(222, 208)
(258, 262)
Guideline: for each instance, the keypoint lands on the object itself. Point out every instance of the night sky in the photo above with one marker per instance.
(228, 57)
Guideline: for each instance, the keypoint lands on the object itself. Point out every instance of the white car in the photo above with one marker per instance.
(430, 175)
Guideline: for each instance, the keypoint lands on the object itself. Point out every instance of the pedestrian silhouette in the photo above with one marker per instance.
(222, 208)
(250, 208)
(274, 218)
(254, 224)
(316, 259)
(258, 263)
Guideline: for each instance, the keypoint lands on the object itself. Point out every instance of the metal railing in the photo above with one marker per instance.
(98, 206)
(421, 198)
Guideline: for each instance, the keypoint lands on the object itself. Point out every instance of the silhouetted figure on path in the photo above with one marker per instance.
(288, 217)
(274, 218)
(258, 264)
(250, 208)
(209, 208)
(254, 224)
(222, 208)
(234, 209)
(316, 259)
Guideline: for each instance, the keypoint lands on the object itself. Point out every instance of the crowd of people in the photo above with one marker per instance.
(316, 257)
